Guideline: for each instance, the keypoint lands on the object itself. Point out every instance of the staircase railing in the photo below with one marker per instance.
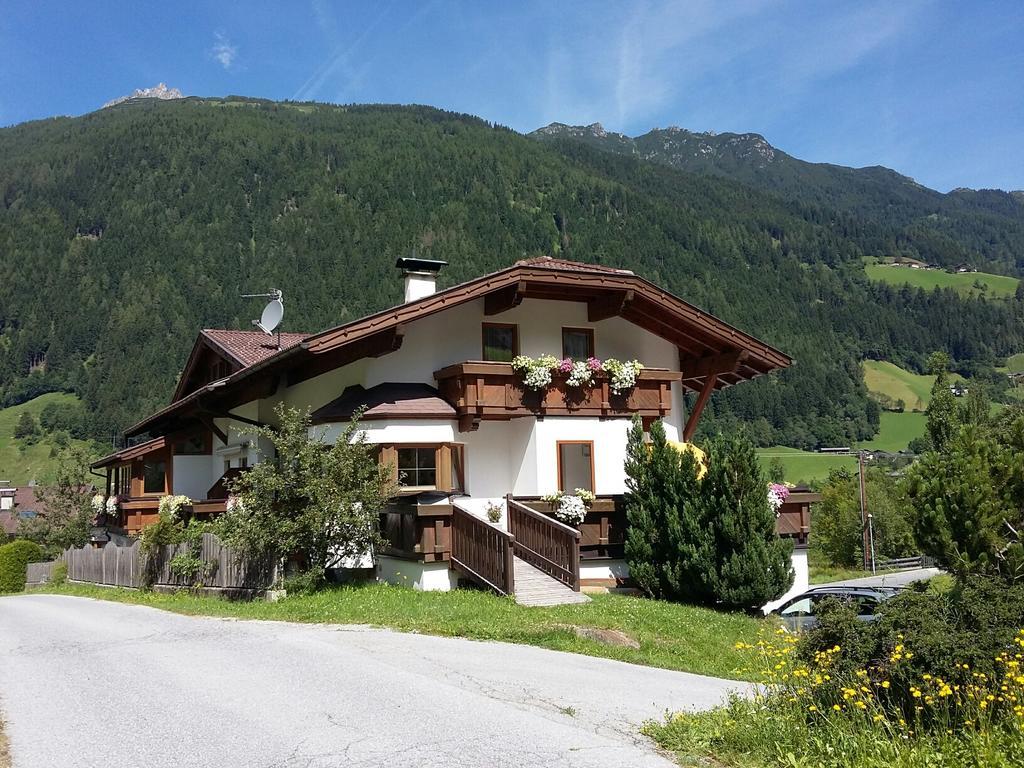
(545, 543)
(482, 552)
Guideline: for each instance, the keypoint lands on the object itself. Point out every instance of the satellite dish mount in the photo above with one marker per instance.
(273, 313)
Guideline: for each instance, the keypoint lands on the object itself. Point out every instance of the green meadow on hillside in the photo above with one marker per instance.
(886, 378)
(19, 461)
(1015, 363)
(804, 466)
(896, 431)
(997, 286)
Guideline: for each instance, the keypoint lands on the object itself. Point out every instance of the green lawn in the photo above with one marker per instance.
(895, 431)
(805, 466)
(885, 378)
(671, 636)
(1015, 363)
(20, 462)
(998, 286)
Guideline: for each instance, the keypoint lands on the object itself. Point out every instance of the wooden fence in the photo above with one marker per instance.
(124, 567)
(39, 573)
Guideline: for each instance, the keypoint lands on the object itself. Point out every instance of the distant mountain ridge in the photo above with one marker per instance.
(985, 226)
(158, 91)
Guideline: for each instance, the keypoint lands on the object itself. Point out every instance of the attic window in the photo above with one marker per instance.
(500, 342)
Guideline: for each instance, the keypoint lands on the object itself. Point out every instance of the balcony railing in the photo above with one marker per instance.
(480, 390)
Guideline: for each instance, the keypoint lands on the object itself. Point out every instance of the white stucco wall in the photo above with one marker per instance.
(192, 476)
(427, 577)
(801, 580)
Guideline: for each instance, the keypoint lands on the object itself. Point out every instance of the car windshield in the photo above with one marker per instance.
(804, 606)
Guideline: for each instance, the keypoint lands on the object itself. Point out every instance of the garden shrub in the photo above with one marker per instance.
(14, 557)
(59, 574)
(922, 635)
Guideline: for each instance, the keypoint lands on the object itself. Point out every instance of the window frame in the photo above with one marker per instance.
(449, 472)
(561, 476)
(156, 459)
(589, 332)
(483, 340)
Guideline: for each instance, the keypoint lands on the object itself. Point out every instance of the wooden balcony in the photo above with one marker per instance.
(493, 391)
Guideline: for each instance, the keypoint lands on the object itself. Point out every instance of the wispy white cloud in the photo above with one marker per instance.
(223, 51)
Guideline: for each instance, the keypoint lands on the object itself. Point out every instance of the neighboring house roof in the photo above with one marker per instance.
(239, 348)
(386, 401)
(711, 350)
(26, 504)
(250, 347)
(131, 452)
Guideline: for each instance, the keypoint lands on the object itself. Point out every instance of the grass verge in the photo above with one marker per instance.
(671, 636)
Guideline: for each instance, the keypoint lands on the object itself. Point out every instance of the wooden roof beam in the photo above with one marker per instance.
(702, 399)
(725, 362)
(609, 305)
(504, 299)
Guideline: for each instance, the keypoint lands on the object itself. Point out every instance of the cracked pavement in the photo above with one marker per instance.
(91, 683)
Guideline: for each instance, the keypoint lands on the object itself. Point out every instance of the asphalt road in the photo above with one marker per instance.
(90, 683)
(894, 579)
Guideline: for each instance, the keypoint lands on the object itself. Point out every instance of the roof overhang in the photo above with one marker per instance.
(130, 453)
(710, 350)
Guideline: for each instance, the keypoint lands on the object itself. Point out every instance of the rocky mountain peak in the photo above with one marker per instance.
(158, 91)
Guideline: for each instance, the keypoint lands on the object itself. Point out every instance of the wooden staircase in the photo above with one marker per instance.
(537, 560)
(536, 588)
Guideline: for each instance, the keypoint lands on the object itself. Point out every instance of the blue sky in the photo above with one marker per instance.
(932, 89)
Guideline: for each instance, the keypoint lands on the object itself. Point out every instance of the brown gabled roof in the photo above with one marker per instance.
(708, 346)
(250, 347)
(549, 262)
(131, 452)
(386, 401)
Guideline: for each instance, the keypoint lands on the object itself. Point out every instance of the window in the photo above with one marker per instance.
(153, 476)
(578, 343)
(122, 480)
(802, 607)
(500, 342)
(417, 466)
(191, 446)
(576, 466)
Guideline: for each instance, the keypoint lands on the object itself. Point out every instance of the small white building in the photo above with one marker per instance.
(447, 409)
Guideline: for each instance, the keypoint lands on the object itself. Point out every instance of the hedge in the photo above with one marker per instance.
(14, 557)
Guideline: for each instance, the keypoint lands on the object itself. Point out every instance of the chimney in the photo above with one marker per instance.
(420, 276)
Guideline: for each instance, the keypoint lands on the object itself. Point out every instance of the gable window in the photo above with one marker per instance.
(500, 342)
(193, 445)
(417, 466)
(578, 343)
(153, 472)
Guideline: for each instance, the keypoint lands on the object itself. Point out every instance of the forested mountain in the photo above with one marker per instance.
(884, 212)
(124, 231)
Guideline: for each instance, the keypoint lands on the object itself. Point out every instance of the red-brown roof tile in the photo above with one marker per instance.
(386, 401)
(250, 347)
(549, 262)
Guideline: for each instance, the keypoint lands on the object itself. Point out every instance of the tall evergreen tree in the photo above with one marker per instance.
(747, 564)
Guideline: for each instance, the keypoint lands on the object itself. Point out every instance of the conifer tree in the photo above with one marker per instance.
(746, 564)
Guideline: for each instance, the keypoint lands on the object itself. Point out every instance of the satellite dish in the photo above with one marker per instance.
(272, 315)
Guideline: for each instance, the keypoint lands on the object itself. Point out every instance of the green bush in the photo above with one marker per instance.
(13, 559)
(953, 636)
(59, 574)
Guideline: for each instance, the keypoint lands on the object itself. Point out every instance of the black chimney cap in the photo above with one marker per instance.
(414, 264)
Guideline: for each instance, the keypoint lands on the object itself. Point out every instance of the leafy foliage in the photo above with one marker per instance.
(838, 528)
(68, 515)
(179, 205)
(14, 556)
(307, 500)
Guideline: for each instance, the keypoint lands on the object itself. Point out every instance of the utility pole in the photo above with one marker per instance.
(865, 533)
